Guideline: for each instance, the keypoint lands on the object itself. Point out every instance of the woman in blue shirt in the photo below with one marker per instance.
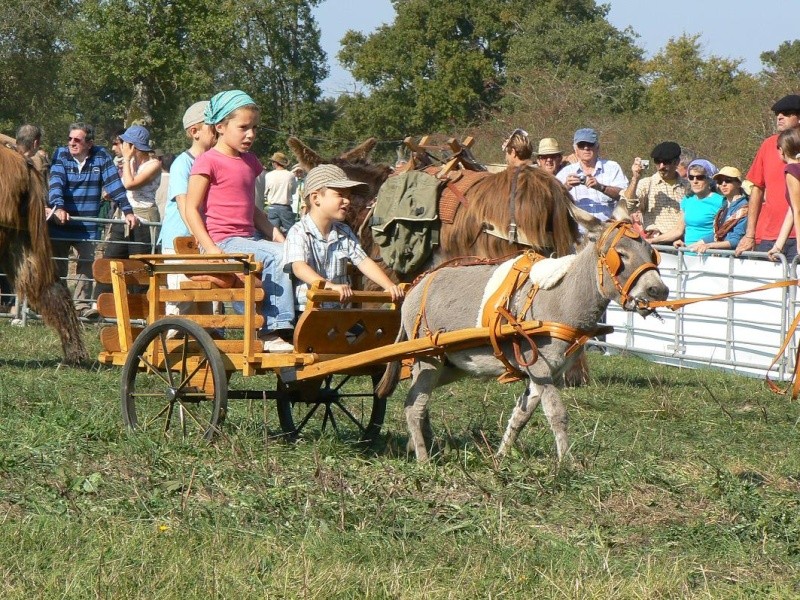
(698, 209)
(730, 222)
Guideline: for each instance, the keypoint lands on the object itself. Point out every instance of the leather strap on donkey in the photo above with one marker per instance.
(610, 262)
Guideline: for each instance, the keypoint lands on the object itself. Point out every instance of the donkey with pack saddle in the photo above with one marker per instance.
(568, 295)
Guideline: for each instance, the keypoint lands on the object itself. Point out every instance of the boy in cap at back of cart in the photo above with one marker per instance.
(320, 246)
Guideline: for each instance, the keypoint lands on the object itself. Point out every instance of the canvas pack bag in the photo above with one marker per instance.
(405, 223)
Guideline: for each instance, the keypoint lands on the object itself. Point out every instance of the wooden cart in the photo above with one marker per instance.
(176, 372)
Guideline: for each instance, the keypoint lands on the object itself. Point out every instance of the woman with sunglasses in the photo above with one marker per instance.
(698, 208)
(789, 150)
(730, 223)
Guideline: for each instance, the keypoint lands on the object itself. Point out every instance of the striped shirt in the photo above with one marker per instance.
(78, 190)
(328, 257)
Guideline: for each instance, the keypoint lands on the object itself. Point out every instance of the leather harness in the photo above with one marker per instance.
(497, 309)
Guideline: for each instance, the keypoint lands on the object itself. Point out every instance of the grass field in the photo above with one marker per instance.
(683, 484)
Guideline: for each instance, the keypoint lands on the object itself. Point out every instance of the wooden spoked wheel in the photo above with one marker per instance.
(174, 382)
(335, 404)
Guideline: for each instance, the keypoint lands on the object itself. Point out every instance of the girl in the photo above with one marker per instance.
(730, 223)
(789, 149)
(222, 215)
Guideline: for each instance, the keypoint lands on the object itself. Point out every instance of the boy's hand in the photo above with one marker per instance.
(396, 291)
(345, 291)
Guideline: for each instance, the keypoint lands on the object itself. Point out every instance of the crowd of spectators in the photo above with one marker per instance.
(684, 200)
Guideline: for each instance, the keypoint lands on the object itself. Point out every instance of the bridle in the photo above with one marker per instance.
(609, 261)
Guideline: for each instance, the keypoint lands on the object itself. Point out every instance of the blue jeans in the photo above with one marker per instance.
(281, 216)
(278, 304)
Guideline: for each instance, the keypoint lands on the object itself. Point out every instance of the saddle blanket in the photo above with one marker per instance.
(547, 273)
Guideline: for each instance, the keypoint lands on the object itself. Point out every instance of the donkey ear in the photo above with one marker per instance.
(620, 212)
(584, 219)
(307, 158)
(360, 152)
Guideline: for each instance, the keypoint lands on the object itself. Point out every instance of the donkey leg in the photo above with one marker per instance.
(526, 404)
(557, 417)
(577, 374)
(420, 434)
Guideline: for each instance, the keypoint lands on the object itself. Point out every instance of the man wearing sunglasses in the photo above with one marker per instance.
(767, 207)
(594, 183)
(79, 173)
(657, 197)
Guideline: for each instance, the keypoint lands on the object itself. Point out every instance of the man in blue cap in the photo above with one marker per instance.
(594, 183)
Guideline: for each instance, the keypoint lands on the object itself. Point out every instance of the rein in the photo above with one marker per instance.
(609, 261)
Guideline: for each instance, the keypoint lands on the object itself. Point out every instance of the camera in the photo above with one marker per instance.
(582, 178)
(645, 164)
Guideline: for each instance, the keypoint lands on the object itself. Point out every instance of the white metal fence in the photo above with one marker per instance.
(740, 334)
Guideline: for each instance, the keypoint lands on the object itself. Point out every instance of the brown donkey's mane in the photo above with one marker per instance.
(26, 254)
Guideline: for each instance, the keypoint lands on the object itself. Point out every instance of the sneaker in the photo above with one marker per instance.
(273, 343)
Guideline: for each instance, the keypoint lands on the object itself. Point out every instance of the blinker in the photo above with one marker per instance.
(613, 261)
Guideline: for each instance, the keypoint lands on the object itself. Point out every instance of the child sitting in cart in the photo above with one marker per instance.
(319, 246)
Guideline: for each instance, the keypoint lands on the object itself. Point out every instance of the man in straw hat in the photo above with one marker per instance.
(280, 184)
(549, 156)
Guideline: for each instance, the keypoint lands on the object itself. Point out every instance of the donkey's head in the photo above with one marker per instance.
(627, 265)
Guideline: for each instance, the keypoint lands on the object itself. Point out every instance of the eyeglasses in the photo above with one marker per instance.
(697, 177)
(585, 145)
(549, 156)
(664, 162)
(722, 180)
(76, 140)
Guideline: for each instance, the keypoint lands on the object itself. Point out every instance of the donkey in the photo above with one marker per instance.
(616, 264)
(26, 256)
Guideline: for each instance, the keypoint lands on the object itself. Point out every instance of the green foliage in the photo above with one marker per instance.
(438, 65)
(785, 60)
(572, 45)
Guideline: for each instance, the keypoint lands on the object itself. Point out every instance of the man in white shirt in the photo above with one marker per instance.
(280, 185)
(594, 183)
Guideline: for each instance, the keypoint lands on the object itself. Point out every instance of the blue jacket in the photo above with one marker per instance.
(737, 233)
(79, 192)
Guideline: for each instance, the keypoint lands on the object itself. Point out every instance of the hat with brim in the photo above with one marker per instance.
(548, 146)
(728, 172)
(585, 135)
(138, 136)
(280, 158)
(328, 176)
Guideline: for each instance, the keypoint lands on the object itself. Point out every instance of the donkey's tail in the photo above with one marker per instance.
(391, 375)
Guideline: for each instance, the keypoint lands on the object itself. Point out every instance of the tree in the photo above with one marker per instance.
(147, 60)
(785, 60)
(31, 46)
(439, 64)
(573, 43)
(680, 80)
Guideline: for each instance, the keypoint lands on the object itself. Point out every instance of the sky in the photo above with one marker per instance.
(737, 29)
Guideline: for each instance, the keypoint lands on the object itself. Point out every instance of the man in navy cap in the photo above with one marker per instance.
(767, 208)
(658, 197)
(594, 183)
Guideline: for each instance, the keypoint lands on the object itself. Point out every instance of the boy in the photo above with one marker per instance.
(173, 225)
(319, 246)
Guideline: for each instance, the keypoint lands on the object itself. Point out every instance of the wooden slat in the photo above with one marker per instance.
(138, 306)
(135, 270)
(206, 295)
(109, 337)
(185, 245)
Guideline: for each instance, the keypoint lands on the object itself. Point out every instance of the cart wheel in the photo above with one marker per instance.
(308, 409)
(174, 381)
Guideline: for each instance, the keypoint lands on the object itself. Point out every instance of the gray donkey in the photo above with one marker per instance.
(616, 264)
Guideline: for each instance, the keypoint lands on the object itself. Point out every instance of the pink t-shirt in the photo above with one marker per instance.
(229, 206)
(767, 172)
